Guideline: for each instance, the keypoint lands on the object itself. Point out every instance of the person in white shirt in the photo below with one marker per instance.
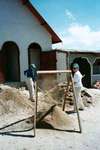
(78, 86)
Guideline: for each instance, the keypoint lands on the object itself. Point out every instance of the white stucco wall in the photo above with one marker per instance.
(61, 65)
(19, 25)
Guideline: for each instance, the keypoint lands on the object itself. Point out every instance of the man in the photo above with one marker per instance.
(31, 74)
(78, 86)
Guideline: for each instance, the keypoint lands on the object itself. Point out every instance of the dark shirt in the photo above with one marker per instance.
(31, 73)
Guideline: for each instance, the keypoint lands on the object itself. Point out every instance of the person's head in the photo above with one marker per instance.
(32, 66)
(75, 67)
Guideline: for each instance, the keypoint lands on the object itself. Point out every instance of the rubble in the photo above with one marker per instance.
(97, 85)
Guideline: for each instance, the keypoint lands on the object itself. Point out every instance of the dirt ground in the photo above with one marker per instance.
(48, 139)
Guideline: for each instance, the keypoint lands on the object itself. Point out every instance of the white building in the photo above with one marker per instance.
(24, 35)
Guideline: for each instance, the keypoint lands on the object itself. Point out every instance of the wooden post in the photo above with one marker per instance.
(35, 107)
(53, 71)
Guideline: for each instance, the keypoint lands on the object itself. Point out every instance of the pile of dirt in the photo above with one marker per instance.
(60, 120)
(60, 92)
(15, 105)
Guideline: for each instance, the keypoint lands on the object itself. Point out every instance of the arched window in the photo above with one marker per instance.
(96, 67)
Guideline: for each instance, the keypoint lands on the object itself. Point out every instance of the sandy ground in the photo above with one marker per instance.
(47, 139)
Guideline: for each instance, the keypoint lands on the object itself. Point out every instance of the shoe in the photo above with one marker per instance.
(81, 108)
(32, 99)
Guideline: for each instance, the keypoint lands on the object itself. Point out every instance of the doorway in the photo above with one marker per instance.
(10, 61)
(34, 53)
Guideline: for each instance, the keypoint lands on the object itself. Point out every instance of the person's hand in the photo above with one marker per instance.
(83, 76)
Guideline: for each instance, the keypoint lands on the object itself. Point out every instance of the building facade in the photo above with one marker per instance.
(89, 62)
(24, 35)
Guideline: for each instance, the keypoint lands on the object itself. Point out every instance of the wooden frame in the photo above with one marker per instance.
(75, 101)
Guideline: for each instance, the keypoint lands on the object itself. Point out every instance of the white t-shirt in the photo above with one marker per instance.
(78, 79)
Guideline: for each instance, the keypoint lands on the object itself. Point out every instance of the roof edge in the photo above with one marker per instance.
(55, 37)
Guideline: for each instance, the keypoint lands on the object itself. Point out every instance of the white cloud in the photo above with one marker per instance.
(70, 15)
(81, 37)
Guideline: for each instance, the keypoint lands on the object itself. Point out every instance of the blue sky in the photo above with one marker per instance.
(77, 22)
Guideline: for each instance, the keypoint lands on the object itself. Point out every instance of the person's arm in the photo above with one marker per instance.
(76, 79)
(25, 72)
(83, 76)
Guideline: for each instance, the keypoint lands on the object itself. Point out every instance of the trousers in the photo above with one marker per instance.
(78, 98)
(30, 86)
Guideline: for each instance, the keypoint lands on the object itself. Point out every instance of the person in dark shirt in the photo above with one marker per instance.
(31, 74)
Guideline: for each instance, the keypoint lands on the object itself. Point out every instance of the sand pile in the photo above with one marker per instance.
(48, 101)
(60, 120)
(14, 106)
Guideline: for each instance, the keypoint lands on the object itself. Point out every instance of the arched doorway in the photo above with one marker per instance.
(2, 70)
(85, 69)
(34, 52)
(10, 61)
(96, 67)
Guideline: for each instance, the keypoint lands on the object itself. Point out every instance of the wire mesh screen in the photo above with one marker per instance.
(54, 85)
(55, 94)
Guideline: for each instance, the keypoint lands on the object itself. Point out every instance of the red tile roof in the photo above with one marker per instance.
(55, 37)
